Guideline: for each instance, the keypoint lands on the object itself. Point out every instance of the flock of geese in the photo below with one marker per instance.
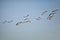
(27, 19)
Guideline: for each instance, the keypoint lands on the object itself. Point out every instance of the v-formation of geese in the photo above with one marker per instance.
(27, 19)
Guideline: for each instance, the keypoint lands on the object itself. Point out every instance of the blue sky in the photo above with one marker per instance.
(36, 30)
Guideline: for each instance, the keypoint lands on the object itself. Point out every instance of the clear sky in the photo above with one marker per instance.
(36, 30)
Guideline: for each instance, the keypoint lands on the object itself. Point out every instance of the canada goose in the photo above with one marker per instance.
(55, 10)
(10, 21)
(38, 18)
(18, 23)
(51, 15)
(43, 12)
(26, 16)
(26, 20)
